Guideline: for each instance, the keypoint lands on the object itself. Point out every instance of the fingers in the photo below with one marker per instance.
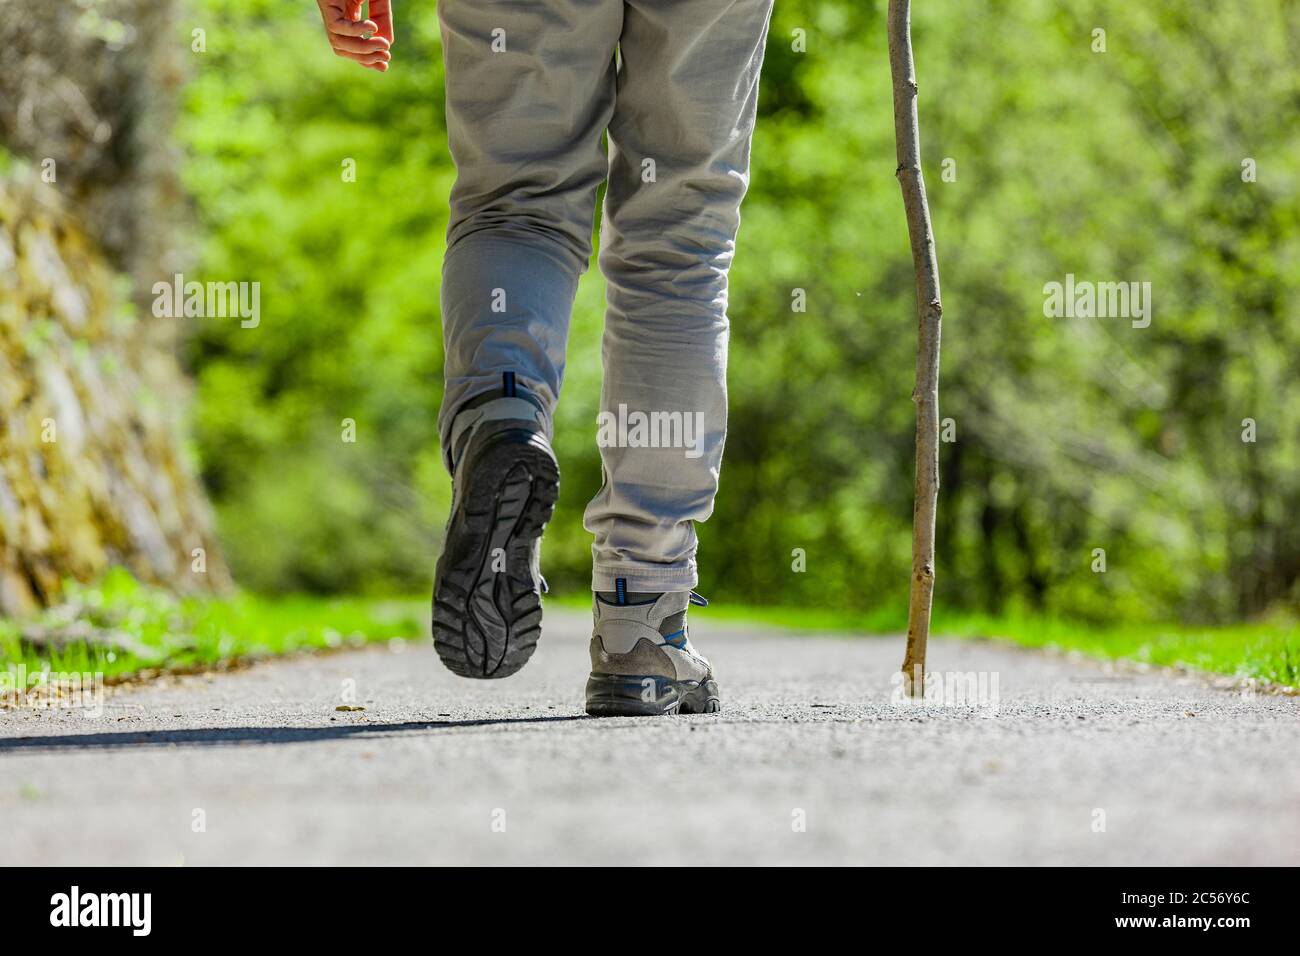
(342, 26)
(376, 61)
(381, 13)
(349, 44)
(364, 41)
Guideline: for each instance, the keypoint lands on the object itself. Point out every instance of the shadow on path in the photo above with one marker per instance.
(234, 736)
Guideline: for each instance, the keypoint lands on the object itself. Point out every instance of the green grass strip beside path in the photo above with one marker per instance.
(120, 627)
(1267, 651)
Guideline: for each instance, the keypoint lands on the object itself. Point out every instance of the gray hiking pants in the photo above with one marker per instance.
(531, 86)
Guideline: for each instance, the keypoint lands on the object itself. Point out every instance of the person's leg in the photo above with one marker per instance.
(530, 88)
(679, 167)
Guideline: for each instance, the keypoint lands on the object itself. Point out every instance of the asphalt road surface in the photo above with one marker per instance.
(1051, 760)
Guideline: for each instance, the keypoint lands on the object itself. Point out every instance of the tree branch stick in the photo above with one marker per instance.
(929, 312)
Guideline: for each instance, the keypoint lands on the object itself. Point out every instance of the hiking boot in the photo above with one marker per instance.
(487, 606)
(642, 661)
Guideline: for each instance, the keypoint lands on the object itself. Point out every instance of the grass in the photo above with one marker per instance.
(120, 627)
(1265, 651)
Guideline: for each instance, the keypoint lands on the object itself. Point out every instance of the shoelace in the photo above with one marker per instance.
(679, 639)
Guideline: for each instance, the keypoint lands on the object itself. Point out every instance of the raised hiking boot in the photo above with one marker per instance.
(487, 595)
(642, 661)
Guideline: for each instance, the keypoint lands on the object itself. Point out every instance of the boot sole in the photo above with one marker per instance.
(618, 695)
(487, 614)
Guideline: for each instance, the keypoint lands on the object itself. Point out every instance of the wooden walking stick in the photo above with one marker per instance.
(928, 315)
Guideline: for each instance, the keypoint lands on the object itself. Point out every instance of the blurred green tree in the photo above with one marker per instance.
(1048, 154)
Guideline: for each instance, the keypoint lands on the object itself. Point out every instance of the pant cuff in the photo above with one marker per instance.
(640, 577)
(483, 386)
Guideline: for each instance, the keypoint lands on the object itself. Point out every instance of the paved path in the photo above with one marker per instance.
(809, 763)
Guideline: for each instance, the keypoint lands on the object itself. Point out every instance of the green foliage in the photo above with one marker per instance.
(1267, 650)
(349, 291)
(1264, 650)
(120, 626)
(1072, 434)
